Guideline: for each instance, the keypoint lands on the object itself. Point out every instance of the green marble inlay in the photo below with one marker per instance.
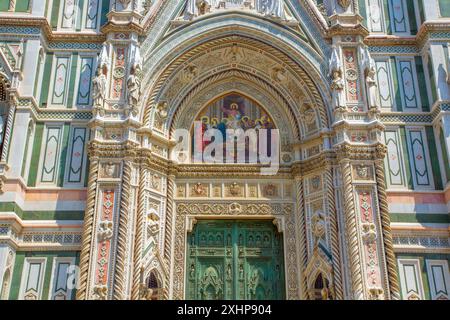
(432, 80)
(4, 5)
(422, 84)
(40, 215)
(444, 5)
(387, 16)
(46, 80)
(397, 93)
(362, 11)
(22, 5)
(73, 75)
(55, 13)
(445, 155)
(105, 10)
(412, 17)
(434, 158)
(408, 172)
(420, 218)
(64, 149)
(422, 257)
(34, 163)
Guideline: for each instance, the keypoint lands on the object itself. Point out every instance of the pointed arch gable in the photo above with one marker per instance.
(159, 19)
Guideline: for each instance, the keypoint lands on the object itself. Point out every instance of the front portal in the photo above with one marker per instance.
(235, 259)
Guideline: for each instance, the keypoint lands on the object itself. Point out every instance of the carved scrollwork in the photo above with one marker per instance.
(100, 292)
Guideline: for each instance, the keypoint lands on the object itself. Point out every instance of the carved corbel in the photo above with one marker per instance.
(190, 223)
(280, 224)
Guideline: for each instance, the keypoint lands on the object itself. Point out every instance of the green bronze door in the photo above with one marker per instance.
(235, 259)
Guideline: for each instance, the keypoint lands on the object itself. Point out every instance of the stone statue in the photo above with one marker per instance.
(337, 85)
(134, 88)
(99, 89)
(337, 82)
(318, 226)
(134, 81)
(369, 68)
(372, 89)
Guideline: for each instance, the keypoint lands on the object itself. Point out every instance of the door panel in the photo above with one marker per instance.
(235, 259)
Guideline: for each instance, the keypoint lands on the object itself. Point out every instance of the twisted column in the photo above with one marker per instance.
(88, 230)
(8, 129)
(12, 5)
(335, 248)
(139, 238)
(303, 254)
(119, 274)
(394, 287)
(169, 227)
(169, 217)
(352, 233)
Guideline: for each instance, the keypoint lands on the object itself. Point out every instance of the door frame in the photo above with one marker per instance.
(222, 219)
(188, 212)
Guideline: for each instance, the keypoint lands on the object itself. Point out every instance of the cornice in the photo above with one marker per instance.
(347, 151)
(112, 149)
(50, 35)
(323, 160)
(389, 40)
(341, 30)
(226, 171)
(431, 26)
(123, 28)
(417, 41)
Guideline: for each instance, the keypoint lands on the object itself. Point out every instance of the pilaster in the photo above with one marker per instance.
(302, 242)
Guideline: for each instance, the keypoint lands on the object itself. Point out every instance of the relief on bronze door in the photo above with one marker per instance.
(235, 259)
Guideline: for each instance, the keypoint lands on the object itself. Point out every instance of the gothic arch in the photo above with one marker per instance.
(244, 84)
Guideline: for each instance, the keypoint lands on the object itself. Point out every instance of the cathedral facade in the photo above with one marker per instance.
(99, 201)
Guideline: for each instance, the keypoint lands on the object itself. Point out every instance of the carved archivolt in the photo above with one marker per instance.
(234, 81)
(269, 64)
